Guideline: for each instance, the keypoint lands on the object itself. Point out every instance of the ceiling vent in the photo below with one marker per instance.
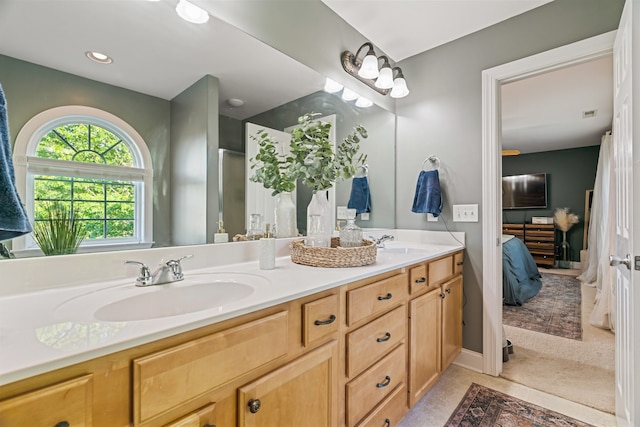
(588, 114)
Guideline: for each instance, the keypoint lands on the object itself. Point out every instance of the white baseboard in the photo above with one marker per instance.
(470, 360)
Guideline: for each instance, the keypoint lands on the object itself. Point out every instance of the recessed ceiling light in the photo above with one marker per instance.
(235, 102)
(98, 57)
(191, 13)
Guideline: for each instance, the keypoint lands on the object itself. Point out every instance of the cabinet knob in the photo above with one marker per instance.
(209, 425)
(62, 424)
(254, 405)
(387, 337)
(443, 296)
(448, 290)
(329, 321)
(386, 297)
(387, 422)
(421, 280)
(386, 382)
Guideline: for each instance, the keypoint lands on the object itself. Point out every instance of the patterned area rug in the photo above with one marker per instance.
(556, 310)
(484, 407)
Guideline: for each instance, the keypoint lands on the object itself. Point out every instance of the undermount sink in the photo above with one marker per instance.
(197, 292)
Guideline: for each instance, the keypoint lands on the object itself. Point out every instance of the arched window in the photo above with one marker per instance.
(94, 165)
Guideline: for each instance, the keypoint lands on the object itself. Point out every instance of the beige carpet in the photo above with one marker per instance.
(580, 371)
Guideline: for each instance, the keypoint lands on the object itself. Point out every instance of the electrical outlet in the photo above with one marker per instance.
(341, 212)
(364, 216)
(432, 218)
(465, 213)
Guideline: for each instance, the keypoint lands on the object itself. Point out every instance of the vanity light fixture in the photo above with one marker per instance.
(191, 13)
(363, 102)
(349, 95)
(366, 70)
(98, 57)
(332, 86)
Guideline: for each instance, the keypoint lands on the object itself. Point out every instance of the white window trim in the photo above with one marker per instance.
(26, 163)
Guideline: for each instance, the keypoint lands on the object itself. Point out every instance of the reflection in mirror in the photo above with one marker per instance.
(44, 77)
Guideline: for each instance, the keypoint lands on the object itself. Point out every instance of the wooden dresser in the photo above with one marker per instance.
(539, 239)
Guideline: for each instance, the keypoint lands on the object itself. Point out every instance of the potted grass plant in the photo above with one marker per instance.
(59, 233)
(564, 220)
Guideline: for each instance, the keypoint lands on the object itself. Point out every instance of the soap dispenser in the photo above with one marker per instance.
(267, 251)
(221, 236)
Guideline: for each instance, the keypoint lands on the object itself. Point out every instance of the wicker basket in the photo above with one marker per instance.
(335, 256)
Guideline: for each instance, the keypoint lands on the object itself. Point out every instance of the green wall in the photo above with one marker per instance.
(31, 89)
(570, 173)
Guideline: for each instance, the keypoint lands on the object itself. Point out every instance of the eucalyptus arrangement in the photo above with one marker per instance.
(272, 168)
(60, 234)
(313, 158)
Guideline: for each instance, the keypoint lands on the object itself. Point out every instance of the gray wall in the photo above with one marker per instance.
(443, 116)
(194, 163)
(31, 89)
(566, 186)
(379, 147)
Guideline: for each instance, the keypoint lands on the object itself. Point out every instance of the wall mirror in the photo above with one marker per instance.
(156, 58)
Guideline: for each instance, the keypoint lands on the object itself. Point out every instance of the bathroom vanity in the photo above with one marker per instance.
(309, 346)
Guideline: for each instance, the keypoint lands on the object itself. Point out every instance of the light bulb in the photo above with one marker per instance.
(191, 13)
(385, 80)
(363, 102)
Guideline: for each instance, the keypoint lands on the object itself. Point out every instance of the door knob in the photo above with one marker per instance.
(615, 261)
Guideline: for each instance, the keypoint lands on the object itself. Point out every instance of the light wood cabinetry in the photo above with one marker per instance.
(435, 323)
(347, 356)
(300, 393)
(67, 403)
(540, 240)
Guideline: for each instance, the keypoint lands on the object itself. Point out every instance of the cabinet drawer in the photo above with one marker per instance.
(390, 412)
(366, 344)
(202, 417)
(458, 262)
(418, 278)
(320, 319)
(375, 298)
(440, 270)
(365, 392)
(166, 380)
(70, 401)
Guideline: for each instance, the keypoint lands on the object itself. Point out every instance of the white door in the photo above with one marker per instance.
(257, 198)
(626, 152)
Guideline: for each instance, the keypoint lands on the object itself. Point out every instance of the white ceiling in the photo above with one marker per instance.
(157, 53)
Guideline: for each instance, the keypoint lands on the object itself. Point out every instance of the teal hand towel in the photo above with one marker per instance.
(428, 196)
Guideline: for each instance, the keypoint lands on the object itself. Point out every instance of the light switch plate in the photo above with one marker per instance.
(465, 213)
(341, 212)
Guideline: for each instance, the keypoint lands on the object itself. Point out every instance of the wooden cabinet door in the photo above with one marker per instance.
(301, 393)
(204, 417)
(451, 321)
(424, 343)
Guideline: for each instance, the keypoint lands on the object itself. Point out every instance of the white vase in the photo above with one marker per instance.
(285, 216)
(319, 227)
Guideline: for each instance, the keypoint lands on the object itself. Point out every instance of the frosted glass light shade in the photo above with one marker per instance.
(349, 95)
(369, 67)
(191, 13)
(332, 86)
(363, 102)
(400, 89)
(385, 79)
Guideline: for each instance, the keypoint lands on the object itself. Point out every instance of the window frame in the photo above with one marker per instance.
(27, 165)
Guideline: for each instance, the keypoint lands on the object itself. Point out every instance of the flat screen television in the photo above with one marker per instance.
(527, 191)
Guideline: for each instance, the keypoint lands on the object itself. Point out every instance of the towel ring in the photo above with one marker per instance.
(434, 161)
(362, 171)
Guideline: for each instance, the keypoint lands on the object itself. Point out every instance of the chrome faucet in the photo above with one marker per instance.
(170, 271)
(380, 241)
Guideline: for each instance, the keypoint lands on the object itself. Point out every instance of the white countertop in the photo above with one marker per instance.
(40, 331)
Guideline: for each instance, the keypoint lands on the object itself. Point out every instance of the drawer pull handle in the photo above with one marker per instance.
(254, 405)
(421, 280)
(386, 382)
(386, 297)
(387, 422)
(62, 424)
(386, 337)
(460, 263)
(329, 321)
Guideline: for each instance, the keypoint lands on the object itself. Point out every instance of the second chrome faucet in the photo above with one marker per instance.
(170, 271)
